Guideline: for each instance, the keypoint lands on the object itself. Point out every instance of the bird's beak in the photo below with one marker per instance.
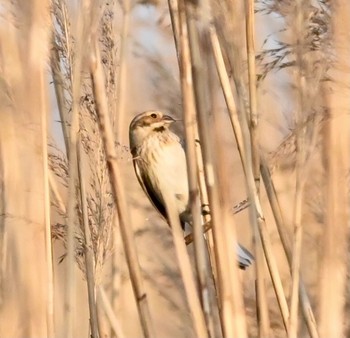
(168, 119)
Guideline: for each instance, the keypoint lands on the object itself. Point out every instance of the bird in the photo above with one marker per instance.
(160, 163)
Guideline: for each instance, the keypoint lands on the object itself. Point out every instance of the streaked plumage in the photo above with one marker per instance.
(160, 163)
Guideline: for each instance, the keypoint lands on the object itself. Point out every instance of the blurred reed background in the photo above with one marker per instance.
(263, 85)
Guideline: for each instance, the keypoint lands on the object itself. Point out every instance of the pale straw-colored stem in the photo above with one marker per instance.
(335, 257)
(71, 222)
(70, 292)
(300, 172)
(88, 255)
(242, 138)
(48, 239)
(118, 118)
(231, 304)
(262, 305)
(58, 81)
(174, 16)
(287, 247)
(189, 109)
(122, 78)
(214, 326)
(119, 193)
(107, 307)
(56, 194)
(185, 267)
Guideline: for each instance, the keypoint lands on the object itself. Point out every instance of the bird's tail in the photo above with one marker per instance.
(245, 258)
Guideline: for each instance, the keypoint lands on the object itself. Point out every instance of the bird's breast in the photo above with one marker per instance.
(164, 163)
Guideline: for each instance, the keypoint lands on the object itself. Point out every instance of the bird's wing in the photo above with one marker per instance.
(149, 190)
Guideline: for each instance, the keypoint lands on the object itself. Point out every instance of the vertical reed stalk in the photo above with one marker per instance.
(89, 259)
(239, 135)
(48, 238)
(262, 306)
(57, 74)
(296, 255)
(122, 79)
(118, 118)
(336, 157)
(214, 326)
(286, 244)
(174, 16)
(300, 170)
(56, 194)
(26, 261)
(70, 301)
(107, 307)
(232, 311)
(189, 109)
(253, 102)
(39, 17)
(185, 268)
(228, 225)
(119, 193)
(59, 93)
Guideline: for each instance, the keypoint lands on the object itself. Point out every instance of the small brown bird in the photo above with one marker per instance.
(160, 163)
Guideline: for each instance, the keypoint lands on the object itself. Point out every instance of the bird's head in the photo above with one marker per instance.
(146, 123)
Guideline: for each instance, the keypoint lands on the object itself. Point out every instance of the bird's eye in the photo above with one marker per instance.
(154, 116)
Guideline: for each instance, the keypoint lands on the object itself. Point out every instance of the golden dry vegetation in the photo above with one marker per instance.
(264, 86)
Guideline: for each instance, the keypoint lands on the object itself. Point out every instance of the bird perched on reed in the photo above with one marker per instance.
(160, 163)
